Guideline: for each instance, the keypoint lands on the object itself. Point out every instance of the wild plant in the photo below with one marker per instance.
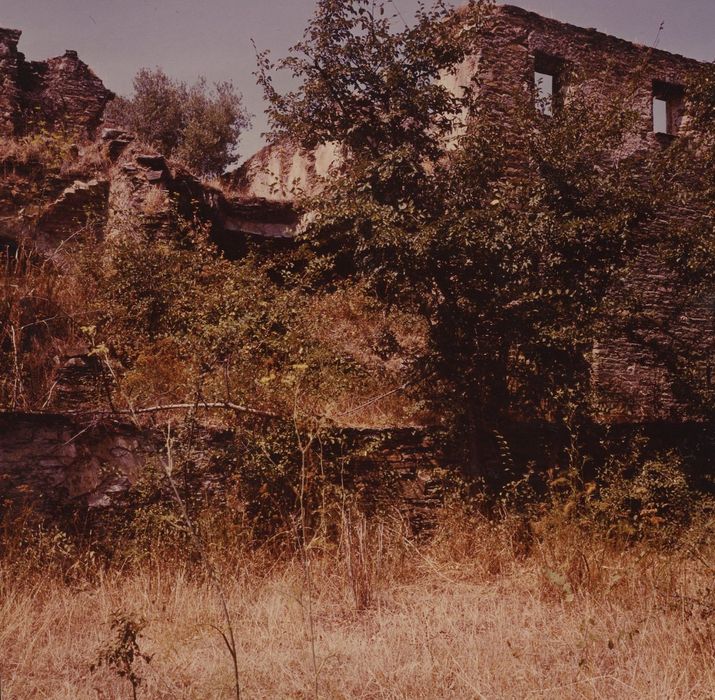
(122, 653)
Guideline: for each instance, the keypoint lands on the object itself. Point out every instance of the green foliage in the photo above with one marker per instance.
(649, 496)
(645, 491)
(199, 125)
(216, 326)
(187, 325)
(52, 149)
(504, 238)
(298, 484)
(638, 493)
(368, 87)
(497, 242)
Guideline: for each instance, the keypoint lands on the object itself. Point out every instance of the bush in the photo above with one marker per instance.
(197, 124)
(653, 496)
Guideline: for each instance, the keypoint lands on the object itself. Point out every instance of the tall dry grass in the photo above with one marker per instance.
(481, 611)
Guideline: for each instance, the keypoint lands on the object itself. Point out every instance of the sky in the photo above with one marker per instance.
(188, 38)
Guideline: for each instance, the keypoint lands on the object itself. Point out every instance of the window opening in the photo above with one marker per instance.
(660, 116)
(548, 82)
(667, 108)
(544, 83)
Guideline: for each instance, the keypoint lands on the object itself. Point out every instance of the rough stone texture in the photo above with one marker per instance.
(80, 205)
(51, 460)
(146, 192)
(257, 217)
(632, 379)
(67, 459)
(404, 470)
(513, 44)
(55, 459)
(81, 382)
(264, 189)
(61, 92)
(279, 173)
(144, 187)
(516, 43)
(633, 370)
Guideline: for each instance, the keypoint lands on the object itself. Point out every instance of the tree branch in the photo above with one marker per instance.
(220, 405)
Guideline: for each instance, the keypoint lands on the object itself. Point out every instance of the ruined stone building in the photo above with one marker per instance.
(60, 92)
(520, 50)
(517, 51)
(521, 53)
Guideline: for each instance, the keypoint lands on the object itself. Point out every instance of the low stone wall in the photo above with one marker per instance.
(57, 460)
(53, 459)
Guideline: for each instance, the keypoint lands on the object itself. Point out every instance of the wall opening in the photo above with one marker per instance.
(667, 108)
(544, 84)
(660, 116)
(548, 83)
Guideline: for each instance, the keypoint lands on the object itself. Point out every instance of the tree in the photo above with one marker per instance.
(505, 237)
(196, 124)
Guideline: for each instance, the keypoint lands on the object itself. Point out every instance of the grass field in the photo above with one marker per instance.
(474, 613)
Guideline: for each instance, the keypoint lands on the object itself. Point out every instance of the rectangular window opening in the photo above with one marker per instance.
(660, 116)
(667, 108)
(544, 83)
(548, 82)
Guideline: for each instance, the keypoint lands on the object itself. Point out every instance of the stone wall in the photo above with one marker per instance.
(54, 459)
(631, 372)
(61, 92)
(516, 43)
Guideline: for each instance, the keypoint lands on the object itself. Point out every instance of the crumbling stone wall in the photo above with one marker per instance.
(633, 382)
(632, 378)
(55, 459)
(51, 460)
(61, 92)
(516, 43)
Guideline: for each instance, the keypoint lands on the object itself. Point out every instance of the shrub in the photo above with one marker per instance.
(652, 496)
(36, 326)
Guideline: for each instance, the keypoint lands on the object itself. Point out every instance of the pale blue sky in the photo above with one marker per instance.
(212, 37)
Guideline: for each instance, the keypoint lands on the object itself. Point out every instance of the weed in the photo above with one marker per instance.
(122, 653)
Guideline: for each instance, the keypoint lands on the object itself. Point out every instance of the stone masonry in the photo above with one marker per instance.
(53, 458)
(58, 92)
(516, 49)
(89, 461)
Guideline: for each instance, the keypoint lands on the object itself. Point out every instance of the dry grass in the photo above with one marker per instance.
(54, 151)
(466, 616)
(383, 344)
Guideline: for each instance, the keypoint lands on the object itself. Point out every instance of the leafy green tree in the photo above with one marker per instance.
(198, 124)
(504, 237)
